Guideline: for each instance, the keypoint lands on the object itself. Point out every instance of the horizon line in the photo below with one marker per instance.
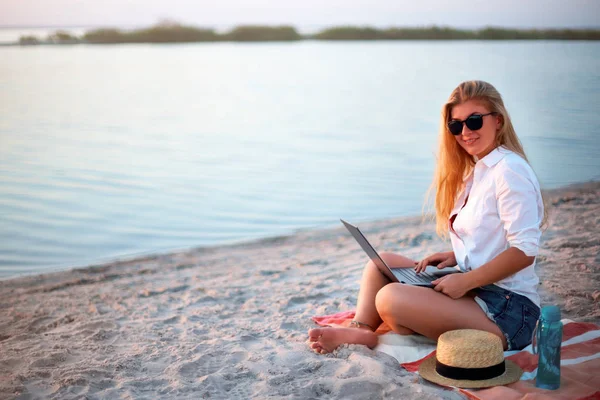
(380, 26)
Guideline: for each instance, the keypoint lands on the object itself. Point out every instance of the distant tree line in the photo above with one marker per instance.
(444, 33)
(176, 33)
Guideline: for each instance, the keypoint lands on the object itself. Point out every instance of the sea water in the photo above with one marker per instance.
(116, 150)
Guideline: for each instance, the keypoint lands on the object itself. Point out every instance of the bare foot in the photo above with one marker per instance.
(326, 340)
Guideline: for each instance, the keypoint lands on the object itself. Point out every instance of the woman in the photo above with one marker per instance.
(488, 201)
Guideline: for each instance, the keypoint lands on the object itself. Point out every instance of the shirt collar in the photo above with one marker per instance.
(494, 156)
(490, 160)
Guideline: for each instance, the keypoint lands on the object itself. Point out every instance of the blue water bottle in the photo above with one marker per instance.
(548, 335)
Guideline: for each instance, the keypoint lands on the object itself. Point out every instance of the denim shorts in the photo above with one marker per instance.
(514, 314)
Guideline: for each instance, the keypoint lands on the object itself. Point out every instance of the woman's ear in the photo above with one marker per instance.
(499, 122)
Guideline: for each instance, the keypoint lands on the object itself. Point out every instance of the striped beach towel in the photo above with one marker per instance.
(580, 361)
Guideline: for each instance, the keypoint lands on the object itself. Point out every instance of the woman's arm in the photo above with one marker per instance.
(509, 262)
(505, 264)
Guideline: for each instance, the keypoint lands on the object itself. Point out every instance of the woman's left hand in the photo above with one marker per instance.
(452, 285)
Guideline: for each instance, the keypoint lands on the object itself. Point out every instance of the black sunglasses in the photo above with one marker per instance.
(474, 122)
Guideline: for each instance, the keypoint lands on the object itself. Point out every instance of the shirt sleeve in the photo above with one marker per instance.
(520, 208)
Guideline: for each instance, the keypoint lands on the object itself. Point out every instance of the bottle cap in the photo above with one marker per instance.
(551, 313)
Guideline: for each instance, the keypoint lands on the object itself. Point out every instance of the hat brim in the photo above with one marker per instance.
(512, 374)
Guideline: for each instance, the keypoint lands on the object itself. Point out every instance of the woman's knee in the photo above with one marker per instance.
(397, 260)
(390, 298)
(372, 269)
(370, 272)
(386, 255)
(391, 259)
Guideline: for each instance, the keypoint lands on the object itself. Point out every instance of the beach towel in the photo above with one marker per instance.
(580, 361)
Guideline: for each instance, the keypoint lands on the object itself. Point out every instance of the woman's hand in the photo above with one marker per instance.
(442, 260)
(453, 285)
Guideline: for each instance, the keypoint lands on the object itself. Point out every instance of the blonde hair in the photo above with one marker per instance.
(454, 163)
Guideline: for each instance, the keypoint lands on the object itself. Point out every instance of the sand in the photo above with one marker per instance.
(230, 322)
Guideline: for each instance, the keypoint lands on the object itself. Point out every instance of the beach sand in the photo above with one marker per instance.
(230, 322)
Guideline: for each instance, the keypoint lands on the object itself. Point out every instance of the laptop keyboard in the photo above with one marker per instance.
(410, 276)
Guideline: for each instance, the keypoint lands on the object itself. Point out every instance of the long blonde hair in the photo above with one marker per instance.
(454, 163)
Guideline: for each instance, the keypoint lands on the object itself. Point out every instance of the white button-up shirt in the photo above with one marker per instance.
(504, 209)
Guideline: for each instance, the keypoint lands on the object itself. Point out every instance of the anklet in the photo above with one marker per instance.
(358, 324)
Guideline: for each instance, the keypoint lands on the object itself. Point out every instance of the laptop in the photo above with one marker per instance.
(407, 276)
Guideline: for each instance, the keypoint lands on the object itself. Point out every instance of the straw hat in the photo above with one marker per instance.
(469, 358)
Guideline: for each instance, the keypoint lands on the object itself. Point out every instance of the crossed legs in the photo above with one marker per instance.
(405, 309)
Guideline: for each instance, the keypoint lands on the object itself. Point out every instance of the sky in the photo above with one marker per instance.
(302, 14)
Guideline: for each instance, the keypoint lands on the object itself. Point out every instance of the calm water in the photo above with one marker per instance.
(109, 151)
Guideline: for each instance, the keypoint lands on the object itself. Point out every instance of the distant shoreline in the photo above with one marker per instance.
(168, 32)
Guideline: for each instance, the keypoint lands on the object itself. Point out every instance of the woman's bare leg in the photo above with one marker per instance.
(430, 313)
(325, 340)
(372, 282)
